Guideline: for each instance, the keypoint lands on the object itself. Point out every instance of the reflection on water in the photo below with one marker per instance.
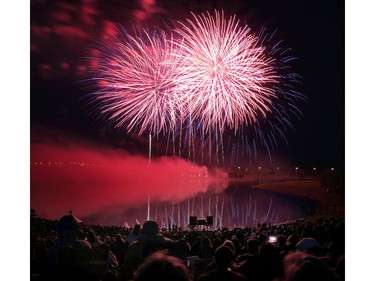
(238, 205)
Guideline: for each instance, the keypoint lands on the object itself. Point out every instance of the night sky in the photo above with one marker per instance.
(62, 33)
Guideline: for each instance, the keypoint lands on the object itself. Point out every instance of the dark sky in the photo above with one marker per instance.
(62, 31)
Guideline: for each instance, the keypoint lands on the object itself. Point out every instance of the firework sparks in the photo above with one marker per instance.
(207, 78)
(225, 74)
(137, 84)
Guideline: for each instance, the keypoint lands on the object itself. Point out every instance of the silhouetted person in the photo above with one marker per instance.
(182, 249)
(281, 245)
(160, 266)
(60, 258)
(238, 247)
(93, 239)
(340, 268)
(308, 245)
(119, 248)
(299, 266)
(223, 259)
(251, 265)
(262, 238)
(272, 261)
(229, 244)
(148, 242)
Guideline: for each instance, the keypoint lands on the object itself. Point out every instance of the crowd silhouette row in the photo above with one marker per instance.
(300, 250)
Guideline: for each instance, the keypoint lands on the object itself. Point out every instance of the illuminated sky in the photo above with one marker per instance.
(62, 34)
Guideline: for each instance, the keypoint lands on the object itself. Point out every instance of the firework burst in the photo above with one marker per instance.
(267, 132)
(136, 82)
(225, 75)
(207, 86)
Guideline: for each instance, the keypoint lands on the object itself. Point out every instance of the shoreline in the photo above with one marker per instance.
(328, 204)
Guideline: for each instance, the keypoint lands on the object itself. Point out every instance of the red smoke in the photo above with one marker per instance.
(88, 179)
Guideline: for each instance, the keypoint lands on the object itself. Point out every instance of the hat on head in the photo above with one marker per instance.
(68, 224)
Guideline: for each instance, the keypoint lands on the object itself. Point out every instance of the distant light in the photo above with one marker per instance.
(278, 168)
(260, 168)
(239, 167)
(296, 168)
(332, 169)
(314, 168)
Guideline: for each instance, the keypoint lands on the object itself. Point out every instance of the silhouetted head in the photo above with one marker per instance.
(268, 249)
(252, 246)
(262, 238)
(229, 244)
(150, 227)
(160, 266)
(292, 241)
(224, 257)
(300, 266)
(281, 240)
(136, 229)
(68, 227)
(308, 245)
(119, 238)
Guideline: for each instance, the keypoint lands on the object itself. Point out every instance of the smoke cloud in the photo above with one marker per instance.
(89, 180)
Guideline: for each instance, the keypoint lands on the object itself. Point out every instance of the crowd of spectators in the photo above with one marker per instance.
(68, 249)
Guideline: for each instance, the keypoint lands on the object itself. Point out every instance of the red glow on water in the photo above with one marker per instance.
(88, 180)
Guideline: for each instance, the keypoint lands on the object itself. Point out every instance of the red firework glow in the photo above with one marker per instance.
(208, 80)
(137, 79)
(91, 180)
(211, 72)
(225, 76)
